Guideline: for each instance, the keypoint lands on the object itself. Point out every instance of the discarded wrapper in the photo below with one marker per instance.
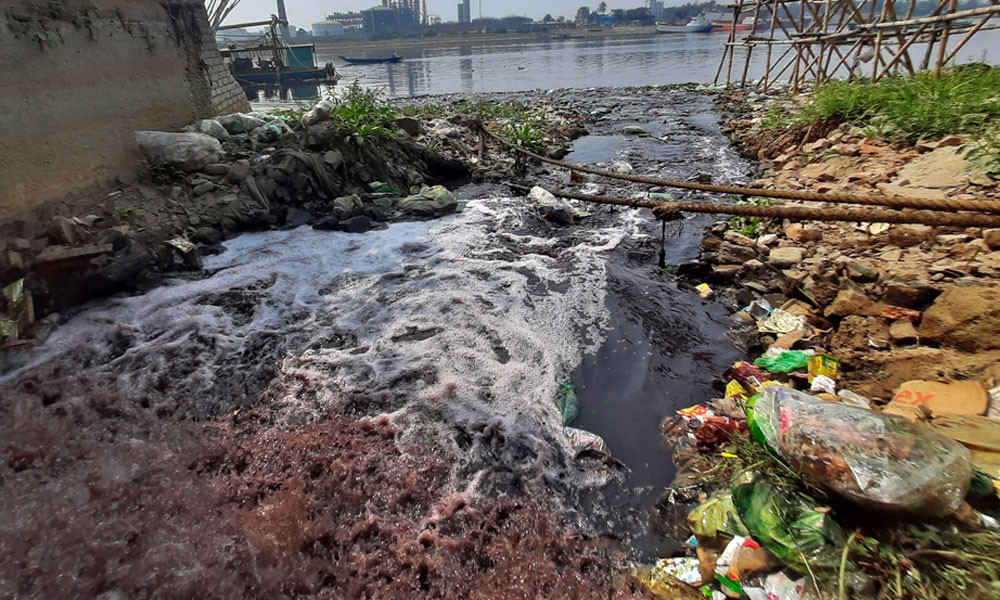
(823, 364)
(584, 441)
(777, 586)
(704, 290)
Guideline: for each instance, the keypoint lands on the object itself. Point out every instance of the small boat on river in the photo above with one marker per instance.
(695, 25)
(372, 61)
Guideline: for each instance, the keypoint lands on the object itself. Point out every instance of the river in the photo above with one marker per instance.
(456, 333)
(506, 66)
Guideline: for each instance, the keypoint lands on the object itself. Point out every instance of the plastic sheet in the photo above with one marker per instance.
(876, 460)
(786, 526)
(186, 151)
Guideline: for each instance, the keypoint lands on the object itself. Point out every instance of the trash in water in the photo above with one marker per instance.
(877, 460)
(759, 309)
(566, 400)
(704, 290)
(585, 441)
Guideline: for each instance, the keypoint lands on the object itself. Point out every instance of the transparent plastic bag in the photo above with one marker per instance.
(877, 460)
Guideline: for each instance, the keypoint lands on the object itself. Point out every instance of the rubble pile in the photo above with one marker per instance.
(860, 446)
(237, 173)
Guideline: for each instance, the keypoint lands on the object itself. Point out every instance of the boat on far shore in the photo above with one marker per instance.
(371, 61)
(695, 25)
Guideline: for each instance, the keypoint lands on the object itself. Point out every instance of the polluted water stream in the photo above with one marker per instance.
(314, 409)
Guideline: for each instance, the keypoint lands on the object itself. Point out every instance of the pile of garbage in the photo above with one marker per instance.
(798, 464)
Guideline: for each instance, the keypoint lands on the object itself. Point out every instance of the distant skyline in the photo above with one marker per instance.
(303, 13)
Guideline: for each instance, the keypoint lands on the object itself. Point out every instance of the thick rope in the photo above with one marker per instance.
(671, 210)
(885, 201)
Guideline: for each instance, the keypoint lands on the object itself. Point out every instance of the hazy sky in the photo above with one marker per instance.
(303, 13)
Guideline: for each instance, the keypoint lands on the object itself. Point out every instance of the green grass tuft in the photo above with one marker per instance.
(963, 100)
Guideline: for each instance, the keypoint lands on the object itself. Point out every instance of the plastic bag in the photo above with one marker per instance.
(785, 526)
(567, 402)
(237, 123)
(210, 127)
(877, 460)
(790, 360)
(186, 151)
(714, 515)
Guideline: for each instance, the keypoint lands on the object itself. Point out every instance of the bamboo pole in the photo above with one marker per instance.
(967, 37)
(943, 47)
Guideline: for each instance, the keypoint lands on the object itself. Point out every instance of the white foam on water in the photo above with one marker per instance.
(475, 316)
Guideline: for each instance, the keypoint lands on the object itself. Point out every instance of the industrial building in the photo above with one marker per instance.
(464, 12)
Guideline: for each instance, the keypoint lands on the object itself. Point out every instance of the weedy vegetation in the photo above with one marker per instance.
(750, 226)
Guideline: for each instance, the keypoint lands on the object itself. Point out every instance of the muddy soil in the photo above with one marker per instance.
(371, 415)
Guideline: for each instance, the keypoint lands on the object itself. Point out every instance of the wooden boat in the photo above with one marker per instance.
(371, 61)
(695, 25)
(270, 63)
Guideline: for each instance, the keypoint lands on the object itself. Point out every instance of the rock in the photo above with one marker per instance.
(215, 169)
(208, 236)
(992, 237)
(950, 142)
(359, 224)
(903, 333)
(299, 181)
(906, 236)
(430, 202)
(739, 239)
(941, 168)
(784, 258)
(870, 149)
(859, 333)
(203, 188)
(726, 272)
(711, 243)
(852, 300)
(63, 231)
(22, 244)
(239, 170)
(966, 317)
(333, 158)
(445, 128)
(409, 125)
(857, 270)
(817, 146)
(847, 149)
(799, 233)
(633, 130)
(733, 254)
(346, 207)
(898, 293)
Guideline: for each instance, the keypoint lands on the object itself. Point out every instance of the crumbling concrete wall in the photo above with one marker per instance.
(78, 79)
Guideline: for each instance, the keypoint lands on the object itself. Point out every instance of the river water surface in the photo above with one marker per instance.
(499, 66)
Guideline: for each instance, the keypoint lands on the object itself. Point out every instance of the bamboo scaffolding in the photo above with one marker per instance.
(824, 39)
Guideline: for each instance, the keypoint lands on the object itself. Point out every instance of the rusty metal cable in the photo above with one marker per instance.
(668, 210)
(950, 204)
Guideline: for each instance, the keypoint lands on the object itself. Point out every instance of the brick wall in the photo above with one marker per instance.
(73, 90)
